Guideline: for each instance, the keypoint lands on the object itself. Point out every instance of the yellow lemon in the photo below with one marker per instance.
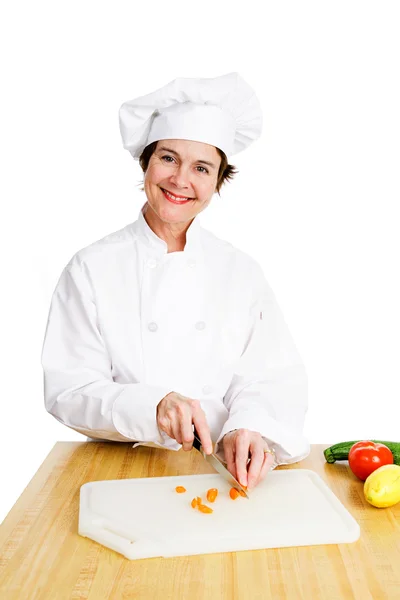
(382, 487)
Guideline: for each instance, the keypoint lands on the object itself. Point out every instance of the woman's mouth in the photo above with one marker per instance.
(175, 199)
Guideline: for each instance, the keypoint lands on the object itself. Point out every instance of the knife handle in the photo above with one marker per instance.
(196, 441)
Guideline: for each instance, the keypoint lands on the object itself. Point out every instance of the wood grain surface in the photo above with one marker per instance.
(42, 557)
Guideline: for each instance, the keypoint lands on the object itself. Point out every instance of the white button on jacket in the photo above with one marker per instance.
(151, 263)
(129, 323)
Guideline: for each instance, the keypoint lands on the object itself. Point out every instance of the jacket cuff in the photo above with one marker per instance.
(289, 445)
(134, 412)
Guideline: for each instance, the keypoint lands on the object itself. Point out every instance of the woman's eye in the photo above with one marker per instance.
(170, 159)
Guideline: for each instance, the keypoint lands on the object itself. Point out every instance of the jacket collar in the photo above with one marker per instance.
(157, 246)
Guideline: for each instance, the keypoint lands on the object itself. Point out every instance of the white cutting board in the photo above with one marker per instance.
(144, 518)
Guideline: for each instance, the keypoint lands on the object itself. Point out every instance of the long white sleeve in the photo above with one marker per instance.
(79, 389)
(268, 391)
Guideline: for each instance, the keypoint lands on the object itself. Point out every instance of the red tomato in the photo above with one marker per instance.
(365, 457)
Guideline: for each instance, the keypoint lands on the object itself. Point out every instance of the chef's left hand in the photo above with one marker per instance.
(239, 446)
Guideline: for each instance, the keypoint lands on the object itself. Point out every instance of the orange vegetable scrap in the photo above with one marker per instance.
(180, 489)
(212, 494)
(197, 503)
(234, 493)
(241, 492)
(204, 509)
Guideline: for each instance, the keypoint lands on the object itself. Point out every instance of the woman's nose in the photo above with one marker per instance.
(180, 177)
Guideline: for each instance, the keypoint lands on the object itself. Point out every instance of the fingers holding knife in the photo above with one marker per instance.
(176, 415)
(202, 431)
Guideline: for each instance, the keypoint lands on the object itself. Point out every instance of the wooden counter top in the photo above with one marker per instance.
(42, 557)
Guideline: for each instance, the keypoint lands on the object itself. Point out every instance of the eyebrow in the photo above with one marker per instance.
(204, 162)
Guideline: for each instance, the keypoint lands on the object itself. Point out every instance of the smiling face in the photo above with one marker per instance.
(181, 179)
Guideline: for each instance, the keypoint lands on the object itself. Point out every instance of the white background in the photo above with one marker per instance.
(316, 200)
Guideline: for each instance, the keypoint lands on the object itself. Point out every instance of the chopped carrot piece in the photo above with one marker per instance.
(194, 503)
(204, 509)
(180, 489)
(199, 500)
(241, 492)
(212, 494)
(233, 493)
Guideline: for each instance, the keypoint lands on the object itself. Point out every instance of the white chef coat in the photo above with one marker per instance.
(130, 322)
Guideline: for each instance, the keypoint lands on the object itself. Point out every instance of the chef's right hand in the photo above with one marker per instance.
(175, 416)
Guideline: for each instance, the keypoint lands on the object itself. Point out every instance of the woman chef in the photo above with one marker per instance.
(162, 326)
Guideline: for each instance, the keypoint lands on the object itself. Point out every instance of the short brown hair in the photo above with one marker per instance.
(226, 171)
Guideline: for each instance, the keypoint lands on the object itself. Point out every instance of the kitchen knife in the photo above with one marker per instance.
(214, 461)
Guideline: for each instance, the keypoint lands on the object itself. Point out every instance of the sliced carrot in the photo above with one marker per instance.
(199, 500)
(204, 509)
(233, 493)
(180, 489)
(241, 492)
(194, 503)
(212, 494)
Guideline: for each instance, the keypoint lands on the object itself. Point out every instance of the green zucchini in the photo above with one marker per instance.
(341, 451)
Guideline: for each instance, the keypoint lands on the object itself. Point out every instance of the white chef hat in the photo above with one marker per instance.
(223, 112)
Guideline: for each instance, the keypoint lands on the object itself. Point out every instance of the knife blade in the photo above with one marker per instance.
(214, 461)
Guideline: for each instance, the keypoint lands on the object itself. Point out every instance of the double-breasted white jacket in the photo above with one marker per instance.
(130, 322)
